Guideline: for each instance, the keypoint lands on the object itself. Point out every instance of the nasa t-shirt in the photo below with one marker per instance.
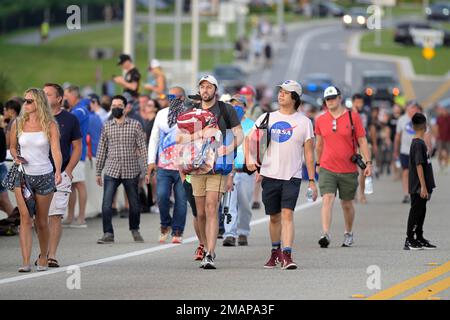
(404, 125)
(283, 159)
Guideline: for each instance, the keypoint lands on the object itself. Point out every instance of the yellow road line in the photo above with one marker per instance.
(406, 84)
(411, 283)
(430, 291)
(436, 95)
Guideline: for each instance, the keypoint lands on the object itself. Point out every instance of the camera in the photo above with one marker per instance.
(357, 158)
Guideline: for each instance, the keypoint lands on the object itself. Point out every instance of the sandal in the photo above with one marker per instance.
(24, 269)
(53, 263)
(36, 262)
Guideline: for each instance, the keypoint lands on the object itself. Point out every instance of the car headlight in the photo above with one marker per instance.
(361, 20)
(446, 12)
(428, 11)
(347, 19)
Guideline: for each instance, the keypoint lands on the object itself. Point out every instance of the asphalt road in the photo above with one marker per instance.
(126, 270)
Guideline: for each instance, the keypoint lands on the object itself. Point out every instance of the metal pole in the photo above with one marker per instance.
(195, 42)
(177, 38)
(280, 15)
(128, 27)
(151, 30)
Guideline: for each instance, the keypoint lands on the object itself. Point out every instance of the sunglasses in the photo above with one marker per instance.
(172, 96)
(29, 101)
(334, 123)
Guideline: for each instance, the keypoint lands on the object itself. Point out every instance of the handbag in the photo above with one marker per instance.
(27, 193)
(13, 173)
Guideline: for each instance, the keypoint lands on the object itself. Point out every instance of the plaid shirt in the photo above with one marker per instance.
(120, 149)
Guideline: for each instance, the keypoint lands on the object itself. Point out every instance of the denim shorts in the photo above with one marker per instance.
(3, 173)
(41, 185)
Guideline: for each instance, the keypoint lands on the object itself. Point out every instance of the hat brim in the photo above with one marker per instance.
(334, 96)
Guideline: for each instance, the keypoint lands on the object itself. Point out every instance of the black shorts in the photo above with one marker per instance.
(279, 194)
(190, 197)
(404, 160)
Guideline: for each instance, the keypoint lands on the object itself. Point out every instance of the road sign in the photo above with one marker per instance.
(427, 38)
(428, 53)
(385, 3)
(217, 29)
(227, 12)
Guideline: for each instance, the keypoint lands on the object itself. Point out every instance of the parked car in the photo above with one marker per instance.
(355, 17)
(379, 85)
(403, 32)
(438, 11)
(230, 77)
(327, 9)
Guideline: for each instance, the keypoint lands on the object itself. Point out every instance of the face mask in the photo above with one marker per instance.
(117, 112)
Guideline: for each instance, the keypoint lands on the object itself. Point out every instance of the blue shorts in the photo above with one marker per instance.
(404, 160)
(279, 194)
(3, 172)
(41, 185)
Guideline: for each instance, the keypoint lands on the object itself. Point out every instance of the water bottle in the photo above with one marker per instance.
(368, 189)
(309, 195)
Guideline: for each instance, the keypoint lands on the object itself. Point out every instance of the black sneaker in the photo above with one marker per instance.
(324, 241)
(426, 244)
(229, 242)
(209, 262)
(406, 199)
(107, 238)
(412, 244)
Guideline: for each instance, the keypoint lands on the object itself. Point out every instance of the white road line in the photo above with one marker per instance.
(348, 73)
(298, 54)
(133, 253)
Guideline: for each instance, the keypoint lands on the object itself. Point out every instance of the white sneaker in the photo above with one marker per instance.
(154, 209)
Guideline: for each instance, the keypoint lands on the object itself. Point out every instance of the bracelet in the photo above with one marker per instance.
(317, 164)
(369, 162)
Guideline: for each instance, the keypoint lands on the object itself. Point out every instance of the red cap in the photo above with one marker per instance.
(247, 90)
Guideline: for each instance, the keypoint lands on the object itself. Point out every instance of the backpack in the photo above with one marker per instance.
(258, 142)
(224, 164)
(196, 156)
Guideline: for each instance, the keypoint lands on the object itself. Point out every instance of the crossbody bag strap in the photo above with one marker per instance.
(353, 131)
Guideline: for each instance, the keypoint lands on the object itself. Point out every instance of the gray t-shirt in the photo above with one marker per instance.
(405, 127)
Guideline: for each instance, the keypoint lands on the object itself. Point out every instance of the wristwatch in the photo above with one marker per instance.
(369, 162)
(317, 164)
(312, 180)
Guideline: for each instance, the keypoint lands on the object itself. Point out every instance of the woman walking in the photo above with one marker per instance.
(35, 133)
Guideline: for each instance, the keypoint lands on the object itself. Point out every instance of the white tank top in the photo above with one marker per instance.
(35, 148)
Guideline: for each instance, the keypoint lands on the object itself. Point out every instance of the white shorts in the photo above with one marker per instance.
(79, 174)
(60, 200)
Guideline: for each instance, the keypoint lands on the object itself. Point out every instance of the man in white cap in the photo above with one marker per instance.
(339, 132)
(208, 188)
(158, 85)
(291, 141)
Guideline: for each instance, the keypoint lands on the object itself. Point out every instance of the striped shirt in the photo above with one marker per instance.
(122, 150)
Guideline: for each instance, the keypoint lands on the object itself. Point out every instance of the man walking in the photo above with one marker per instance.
(70, 143)
(291, 140)
(121, 147)
(338, 132)
(162, 146)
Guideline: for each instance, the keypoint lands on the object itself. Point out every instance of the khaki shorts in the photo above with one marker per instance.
(202, 183)
(60, 200)
(346, 183)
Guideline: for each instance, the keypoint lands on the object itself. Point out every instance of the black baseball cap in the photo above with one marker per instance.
(95, 97)
(418, 119)
(122, 58)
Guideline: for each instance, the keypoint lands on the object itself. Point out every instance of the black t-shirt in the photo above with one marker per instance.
(2, 145)
(418, 154)
(393, 125)
(232, 116)
(148, 126)
(69, 130)
(133, 76)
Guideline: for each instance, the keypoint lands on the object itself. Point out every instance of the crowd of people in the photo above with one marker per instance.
(132, 139)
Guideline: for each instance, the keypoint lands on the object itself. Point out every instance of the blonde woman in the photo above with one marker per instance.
(158, 85)
(37, 134)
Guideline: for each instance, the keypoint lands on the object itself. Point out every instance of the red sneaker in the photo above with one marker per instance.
(286, 262)
(199, 253)
(275, 258)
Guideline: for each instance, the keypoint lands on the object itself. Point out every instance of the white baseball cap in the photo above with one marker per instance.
(331, 92)
(155, 64)
(292, 86)
(210, 79)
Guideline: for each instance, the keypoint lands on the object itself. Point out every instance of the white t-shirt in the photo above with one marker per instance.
(283, 159)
